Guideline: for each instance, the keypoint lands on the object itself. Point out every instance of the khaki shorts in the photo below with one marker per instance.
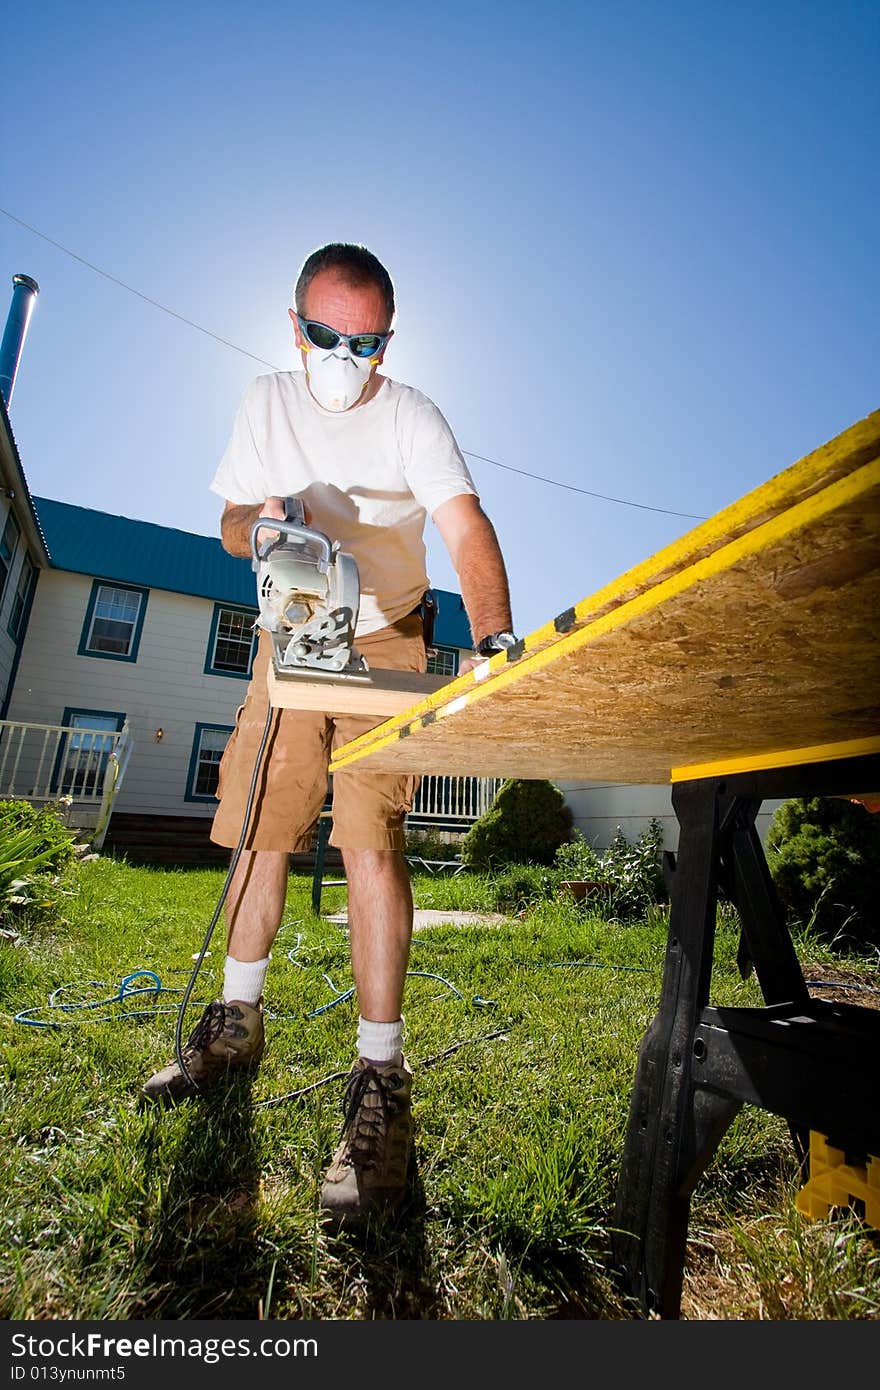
(368, 807)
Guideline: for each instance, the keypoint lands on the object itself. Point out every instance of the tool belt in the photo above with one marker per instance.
(426, 609)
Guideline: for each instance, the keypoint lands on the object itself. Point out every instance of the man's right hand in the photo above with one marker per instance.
(273, 506)
(238, 518)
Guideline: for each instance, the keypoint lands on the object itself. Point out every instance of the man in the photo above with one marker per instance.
(370, 458)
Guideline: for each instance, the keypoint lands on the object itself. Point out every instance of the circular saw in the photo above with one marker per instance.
(309, 595)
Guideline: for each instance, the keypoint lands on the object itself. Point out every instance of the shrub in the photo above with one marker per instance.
(430, 844)
(578, 860)
(824, 857)
(631, 876)
(517, 889)
(526, 824)
(35, 846)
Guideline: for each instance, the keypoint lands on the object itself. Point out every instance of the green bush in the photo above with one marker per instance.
(526, 824)
(578, 860)
(630, 875)
(35, 846)
(430, 844)
(824, 857)
(514, 890)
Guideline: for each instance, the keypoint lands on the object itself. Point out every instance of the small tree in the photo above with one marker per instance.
(526, 824)
(824, 857)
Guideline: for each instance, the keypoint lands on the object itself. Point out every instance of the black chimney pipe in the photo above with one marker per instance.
(24, 294)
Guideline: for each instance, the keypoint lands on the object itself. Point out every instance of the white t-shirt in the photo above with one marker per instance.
(369, 477)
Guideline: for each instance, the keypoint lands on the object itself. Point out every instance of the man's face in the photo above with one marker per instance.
(350, 309)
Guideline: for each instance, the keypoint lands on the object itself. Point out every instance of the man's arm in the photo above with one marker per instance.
(237, 520)
(470, 538)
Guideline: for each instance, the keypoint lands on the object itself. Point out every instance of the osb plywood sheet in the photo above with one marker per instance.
(756, 633)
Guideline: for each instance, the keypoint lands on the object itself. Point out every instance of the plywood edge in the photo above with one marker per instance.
(783, 757)
(380, 693)
(506, 668)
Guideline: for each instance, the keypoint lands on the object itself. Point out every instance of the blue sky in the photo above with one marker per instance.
(634, 245)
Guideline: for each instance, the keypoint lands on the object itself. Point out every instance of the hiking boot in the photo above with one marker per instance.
(227, 1038)
(369, 1168)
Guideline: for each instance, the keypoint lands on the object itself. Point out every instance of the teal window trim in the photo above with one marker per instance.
(97, 585)
(23, 596)
(70, 711)
(210, 668)
(8, 547)
(192, 771)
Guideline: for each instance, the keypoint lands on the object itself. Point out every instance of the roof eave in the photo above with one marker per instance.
(14, 482)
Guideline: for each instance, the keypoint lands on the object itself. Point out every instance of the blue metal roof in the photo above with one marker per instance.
(139, 552)
(160, 557)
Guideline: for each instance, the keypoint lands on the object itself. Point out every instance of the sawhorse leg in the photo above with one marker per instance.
(653, 1205)
(698, 1065)
(675, 1127)
(323, 835)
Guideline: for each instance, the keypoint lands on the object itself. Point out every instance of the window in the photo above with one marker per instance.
(442, 661)
(114, 620)
(82, 757)
(232, 642)
(24, 588)
(204, 765)
(8, 542)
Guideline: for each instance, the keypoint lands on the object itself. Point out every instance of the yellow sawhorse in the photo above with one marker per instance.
(835, 1183)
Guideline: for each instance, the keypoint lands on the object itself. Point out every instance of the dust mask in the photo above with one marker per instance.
(336, 379)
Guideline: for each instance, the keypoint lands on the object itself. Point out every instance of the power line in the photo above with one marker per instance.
(145, 297)
(536, 477)
(570, 487)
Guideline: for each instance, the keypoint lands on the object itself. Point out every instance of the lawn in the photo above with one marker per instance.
(522, 1035)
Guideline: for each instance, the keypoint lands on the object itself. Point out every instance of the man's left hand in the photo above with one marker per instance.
(470, 663)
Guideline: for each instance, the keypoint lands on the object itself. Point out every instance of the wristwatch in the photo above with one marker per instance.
(496, 642)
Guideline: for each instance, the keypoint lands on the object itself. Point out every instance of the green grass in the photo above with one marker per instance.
(209, 1211)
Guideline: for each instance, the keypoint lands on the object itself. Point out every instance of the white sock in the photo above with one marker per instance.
(380, 1042)
(244, 979)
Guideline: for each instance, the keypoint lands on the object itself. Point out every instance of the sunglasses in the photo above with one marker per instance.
(358, 344)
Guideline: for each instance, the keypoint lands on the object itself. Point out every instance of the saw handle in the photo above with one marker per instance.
(295, 510)
(292, 526)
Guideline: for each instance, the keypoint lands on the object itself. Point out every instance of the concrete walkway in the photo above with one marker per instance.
(433, 917)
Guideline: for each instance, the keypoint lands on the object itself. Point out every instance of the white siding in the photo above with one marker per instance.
(600, 807)
(165, 688)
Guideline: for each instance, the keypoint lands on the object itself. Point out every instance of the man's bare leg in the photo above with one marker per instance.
(380, 923)
(255, 902)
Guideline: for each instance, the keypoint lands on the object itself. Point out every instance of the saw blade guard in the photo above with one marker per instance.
(309, 595)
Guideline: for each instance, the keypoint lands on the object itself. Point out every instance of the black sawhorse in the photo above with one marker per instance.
(815, 1063)
(322, 836)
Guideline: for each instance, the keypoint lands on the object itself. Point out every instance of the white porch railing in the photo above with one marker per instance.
(82, 767)
(453, 800)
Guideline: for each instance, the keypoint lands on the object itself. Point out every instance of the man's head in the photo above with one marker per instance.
(342, 322)
(355, 266)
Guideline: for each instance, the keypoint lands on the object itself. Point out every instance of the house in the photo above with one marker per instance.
(23, 554)
(600, 809)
